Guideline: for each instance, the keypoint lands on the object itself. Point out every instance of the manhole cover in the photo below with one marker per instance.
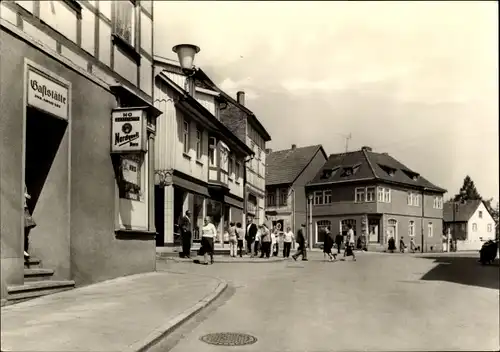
(229, 339)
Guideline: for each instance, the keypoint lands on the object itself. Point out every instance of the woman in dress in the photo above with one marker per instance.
(209, 232)
(328, 244)
(29, 223)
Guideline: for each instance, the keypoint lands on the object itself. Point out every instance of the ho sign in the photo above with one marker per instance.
(128, 130)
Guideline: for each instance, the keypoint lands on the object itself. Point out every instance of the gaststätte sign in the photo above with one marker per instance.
(47, 94)
(128, 130)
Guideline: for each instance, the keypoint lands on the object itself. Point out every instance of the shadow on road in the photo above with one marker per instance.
(465, 271)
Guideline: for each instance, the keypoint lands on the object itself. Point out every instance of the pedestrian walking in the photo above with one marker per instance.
(265, 239)
(338, 242)
(233, 240)
(257, 245)
(274, 242)
(186, 234)
(301, 241)
(349, 248)
(239, 236)
(209, 232)
(29, 223)
(402, 245)
(328, 244)
(391, 244)
(250, 235)
(413, 246)
(287, 242)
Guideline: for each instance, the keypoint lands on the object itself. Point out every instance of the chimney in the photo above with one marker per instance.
(240, 97)
(269, 150)
(365, 148)
(294, 146)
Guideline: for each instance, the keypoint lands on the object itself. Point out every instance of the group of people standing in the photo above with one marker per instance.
(260, 239)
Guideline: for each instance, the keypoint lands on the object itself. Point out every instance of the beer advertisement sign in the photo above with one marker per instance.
(128, 132)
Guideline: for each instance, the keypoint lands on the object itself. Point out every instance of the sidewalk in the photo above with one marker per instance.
(220, 259)
(124, 314)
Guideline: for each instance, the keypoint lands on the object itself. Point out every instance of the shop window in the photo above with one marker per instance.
(124, 26)
(130, 176)
(345, 228)
(373, 230)
(320, 230)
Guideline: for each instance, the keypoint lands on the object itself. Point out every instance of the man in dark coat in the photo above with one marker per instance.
(301, 241)
(338, 241)
(186, 234)
(250, 234)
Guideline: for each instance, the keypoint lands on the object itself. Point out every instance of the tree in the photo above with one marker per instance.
(468, 191)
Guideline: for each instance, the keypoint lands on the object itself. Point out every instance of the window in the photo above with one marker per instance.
(125, 21)
(237, 172)
(480, 214)
(344, 226)
(283, 196)
(231, 166)
(224, 161)
(380, 195)
(185, 137)
(370, 194)
(490, 228)
(271, 199)
(318, 198)
(430, 230)
(474, 227)
(199, 144)
(387, 195)
(327, 195)
(411, 228)
(211, 150)
(359, 195)
(413, 199)
(320, 226)
(438, 202)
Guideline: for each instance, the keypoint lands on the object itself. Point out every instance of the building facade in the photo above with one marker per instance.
(244, 124)
(200, 162)
(78, 128)
(379, 197)
(288, 172)
(470, 224)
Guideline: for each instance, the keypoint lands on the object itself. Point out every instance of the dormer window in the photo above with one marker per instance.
(327, 173)
(349, 170)
(412, 175)
(389, 170)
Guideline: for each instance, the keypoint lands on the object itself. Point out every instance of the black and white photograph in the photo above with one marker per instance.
(252, 176)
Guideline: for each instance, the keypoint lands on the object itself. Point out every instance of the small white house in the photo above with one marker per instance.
(470, 223)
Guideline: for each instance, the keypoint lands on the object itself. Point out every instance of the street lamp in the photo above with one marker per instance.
(186, 54)
(310, 220)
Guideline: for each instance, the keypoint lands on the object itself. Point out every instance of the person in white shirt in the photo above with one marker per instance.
(209, 232)
(274, 242)
(287, 242)
(349, 249)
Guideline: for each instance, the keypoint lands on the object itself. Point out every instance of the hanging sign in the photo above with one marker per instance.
(128, 130)
(47, 94)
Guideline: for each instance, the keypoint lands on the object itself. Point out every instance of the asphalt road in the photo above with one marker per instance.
(380, 302)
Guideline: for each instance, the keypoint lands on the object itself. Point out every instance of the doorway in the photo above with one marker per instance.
(392, 230)
(160, 216)
(44, 135)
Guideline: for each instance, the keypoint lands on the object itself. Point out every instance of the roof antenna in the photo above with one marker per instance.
(347, 138)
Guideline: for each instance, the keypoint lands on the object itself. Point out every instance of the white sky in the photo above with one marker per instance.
(418, 80)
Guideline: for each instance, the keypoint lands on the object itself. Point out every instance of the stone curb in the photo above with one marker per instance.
(228, 261)
(160, 332)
